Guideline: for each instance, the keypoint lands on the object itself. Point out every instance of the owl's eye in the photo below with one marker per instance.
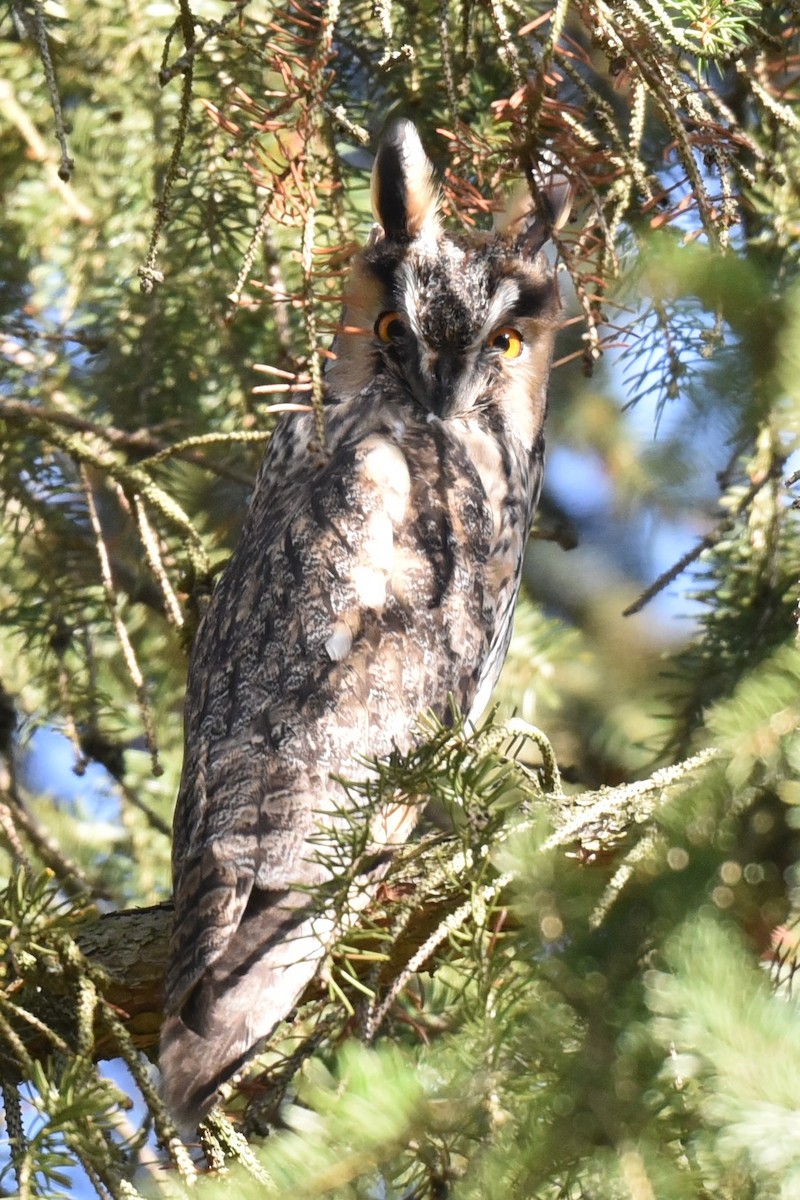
(389, 327)
(506, 341)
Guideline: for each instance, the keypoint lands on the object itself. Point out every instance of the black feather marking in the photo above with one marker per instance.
(535, 300)
(293, 557)
(391, 192)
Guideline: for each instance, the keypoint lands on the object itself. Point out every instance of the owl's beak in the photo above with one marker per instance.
(447, 368)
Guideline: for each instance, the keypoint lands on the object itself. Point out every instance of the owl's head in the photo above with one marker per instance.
(459, 326)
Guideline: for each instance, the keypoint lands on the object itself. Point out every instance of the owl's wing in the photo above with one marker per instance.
(357, 597)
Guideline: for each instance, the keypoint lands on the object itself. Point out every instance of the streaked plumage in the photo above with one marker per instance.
(374, 579)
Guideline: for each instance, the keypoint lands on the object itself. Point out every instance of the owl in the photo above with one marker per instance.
(375, 579)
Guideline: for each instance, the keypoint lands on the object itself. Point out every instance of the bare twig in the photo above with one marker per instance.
(706, 543)
(141, 441)
(67, 165)
(126, 646)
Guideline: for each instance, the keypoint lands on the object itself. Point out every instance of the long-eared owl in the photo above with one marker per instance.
(375, 579)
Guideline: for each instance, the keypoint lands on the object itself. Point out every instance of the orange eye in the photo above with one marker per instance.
(507, 342)
(389, 326)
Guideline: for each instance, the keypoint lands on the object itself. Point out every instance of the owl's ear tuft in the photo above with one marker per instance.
(405, 196)
(533, 214)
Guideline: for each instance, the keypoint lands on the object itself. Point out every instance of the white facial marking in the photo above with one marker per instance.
(501, 304)
(410, 295)
(427, 360)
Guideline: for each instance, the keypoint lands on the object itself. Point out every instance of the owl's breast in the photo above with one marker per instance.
(405, 536)
(362, 593)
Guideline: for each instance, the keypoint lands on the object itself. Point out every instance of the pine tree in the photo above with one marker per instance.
(578, 982)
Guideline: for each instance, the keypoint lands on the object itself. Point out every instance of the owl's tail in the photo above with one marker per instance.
(239, 1000)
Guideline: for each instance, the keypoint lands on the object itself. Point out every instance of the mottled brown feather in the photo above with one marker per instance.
(373, 580)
